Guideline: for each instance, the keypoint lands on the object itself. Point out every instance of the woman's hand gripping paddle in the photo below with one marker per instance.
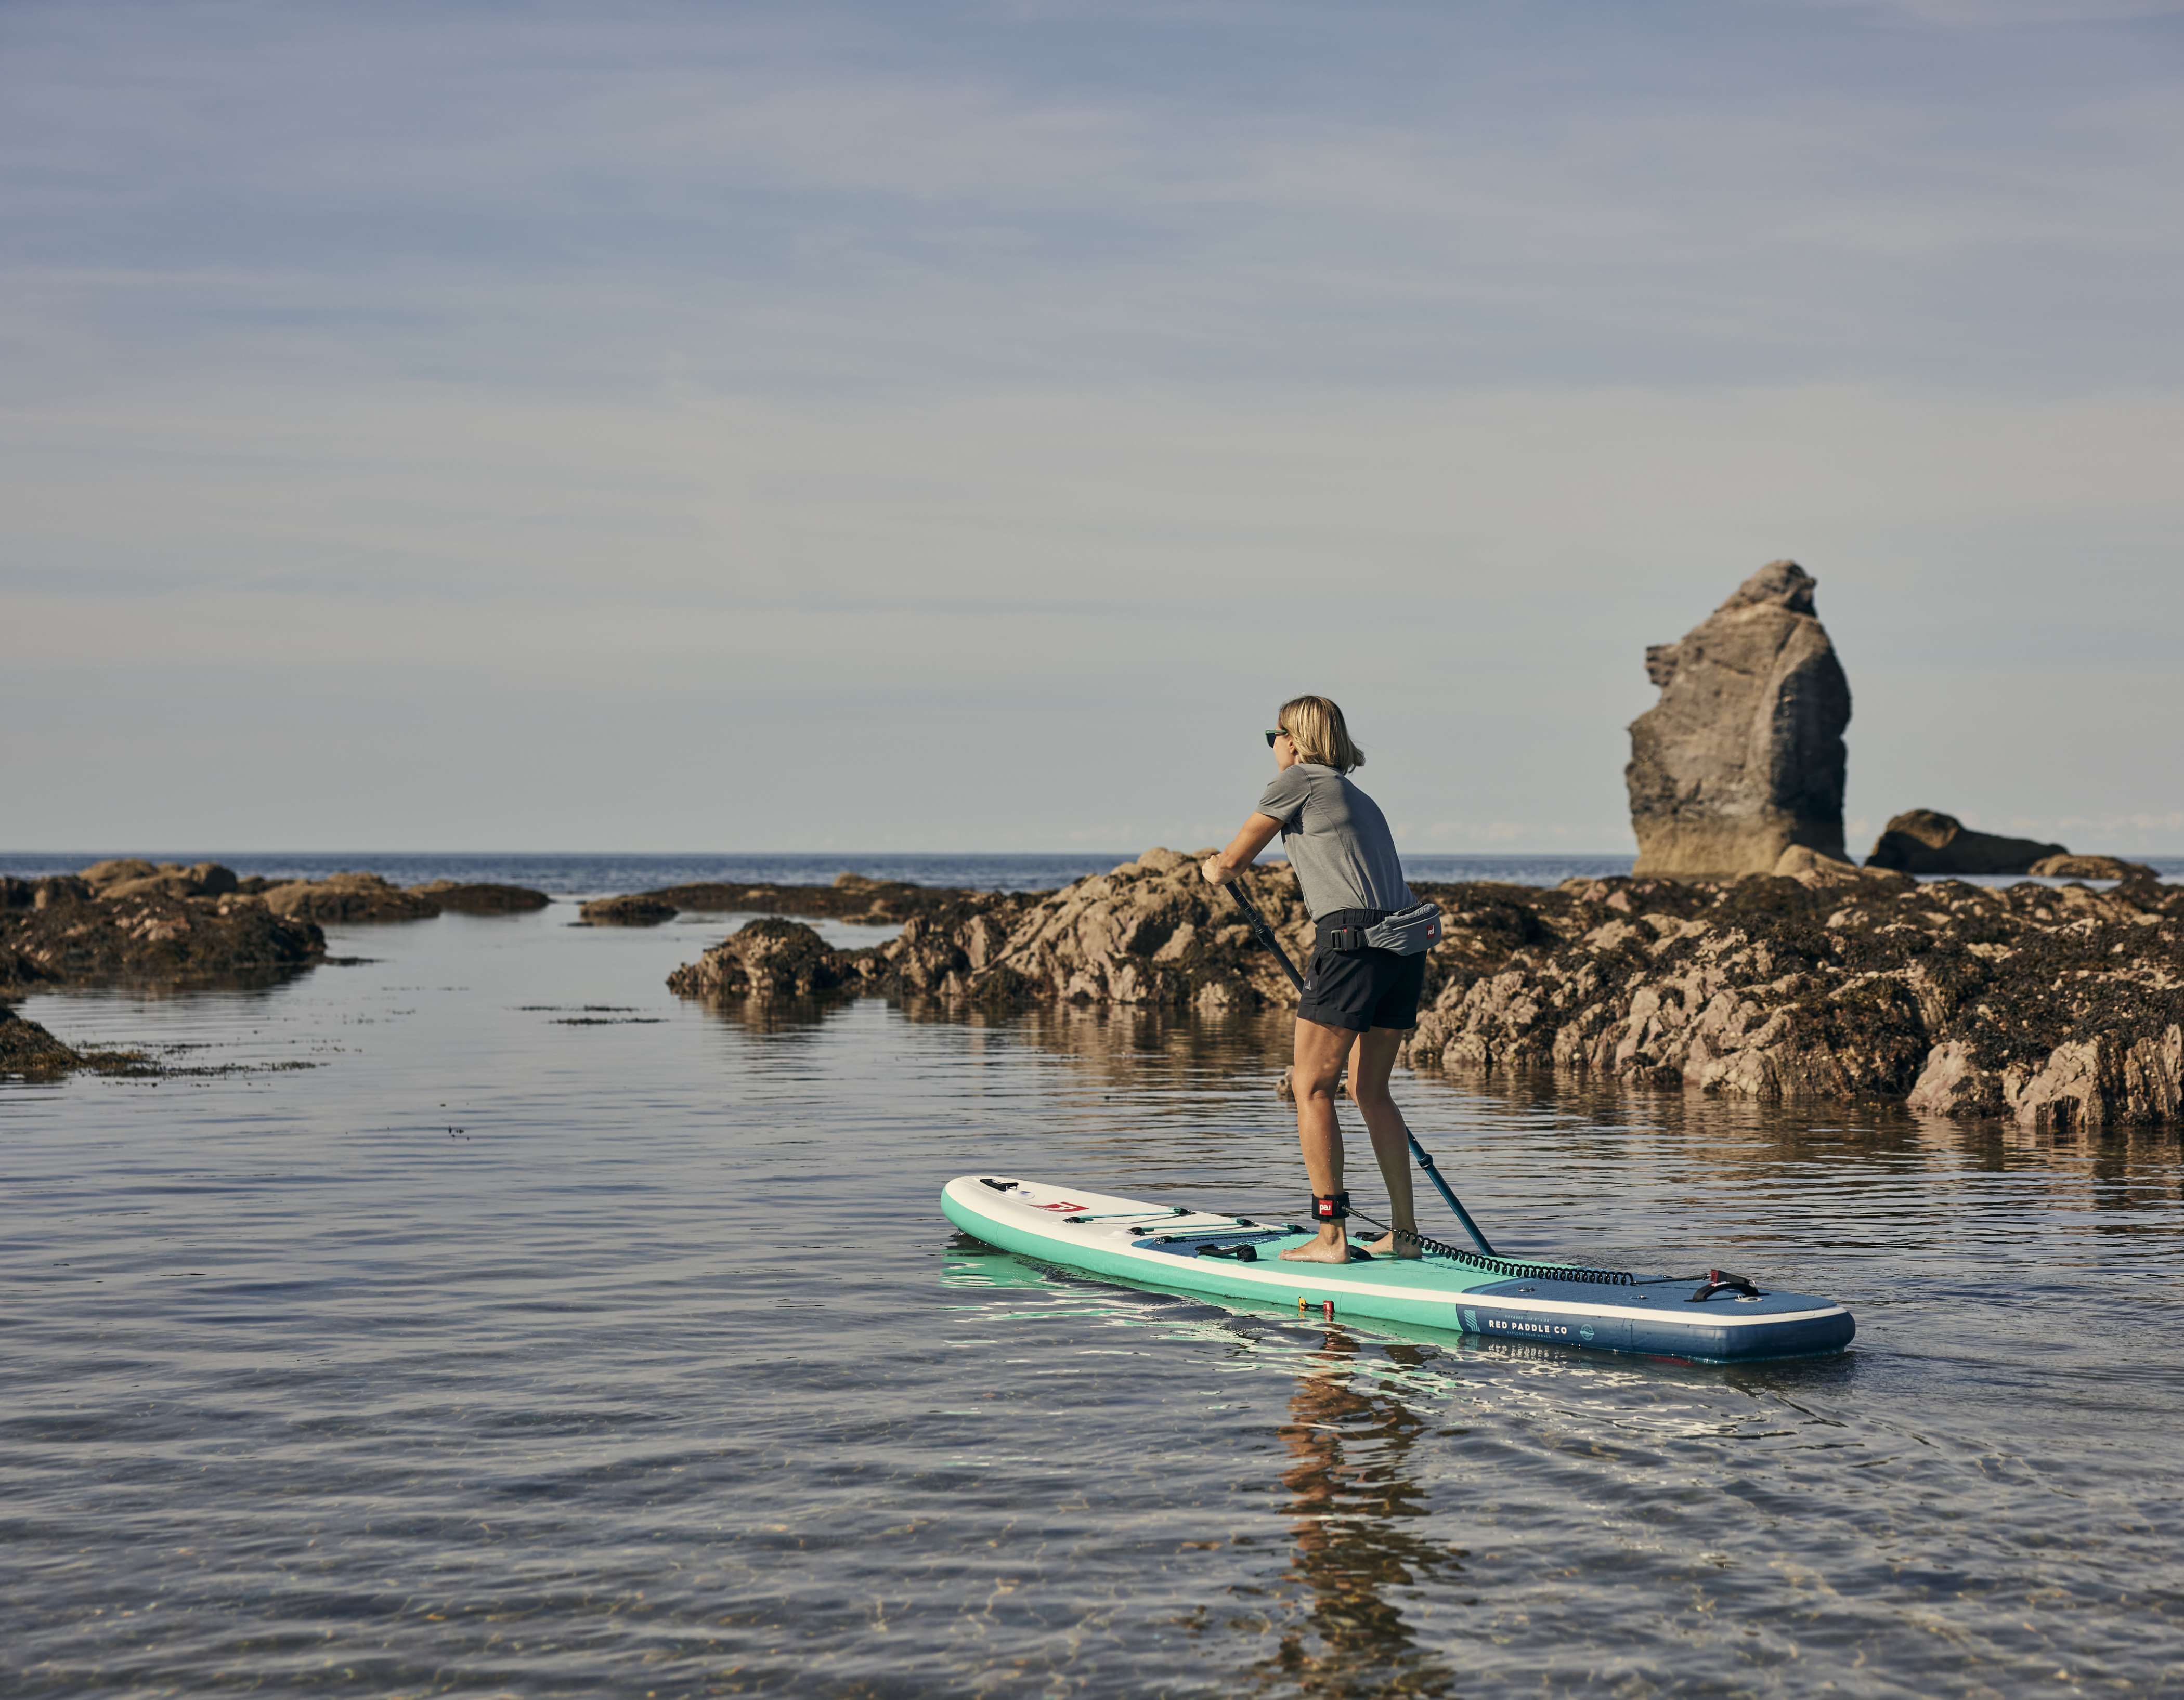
(1265, 934)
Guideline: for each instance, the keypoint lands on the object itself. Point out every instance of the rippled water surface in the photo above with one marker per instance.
(548, 1335)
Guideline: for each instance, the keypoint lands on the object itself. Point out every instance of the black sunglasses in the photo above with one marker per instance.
(1278, 732)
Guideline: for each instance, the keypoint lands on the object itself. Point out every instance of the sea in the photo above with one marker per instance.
(471, 1315)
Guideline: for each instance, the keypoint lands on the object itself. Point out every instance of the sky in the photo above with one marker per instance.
(931, 427)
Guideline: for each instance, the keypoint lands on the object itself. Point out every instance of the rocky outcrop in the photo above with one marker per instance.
(2069, 867)
(340, 897)
(638, 909)
(127, 921)
(1149, 931)
(347, 898)
(146, 937)
(481, 898)
(130, 877)
(851, 897)
(1923, 841)
(2059, 1008)
(1743, 756)
(771, 958)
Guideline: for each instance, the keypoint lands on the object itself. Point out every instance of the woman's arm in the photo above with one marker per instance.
(1243, 850)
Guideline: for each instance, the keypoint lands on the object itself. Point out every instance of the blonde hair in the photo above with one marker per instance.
(1315, 726)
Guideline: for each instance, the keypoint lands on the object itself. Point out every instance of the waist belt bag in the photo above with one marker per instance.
(1407, 931)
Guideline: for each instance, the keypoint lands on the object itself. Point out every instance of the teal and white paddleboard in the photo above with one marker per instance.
(1233, 1256)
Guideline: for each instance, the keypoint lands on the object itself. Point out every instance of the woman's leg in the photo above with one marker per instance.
(1370, 1065)
(1317, 1065)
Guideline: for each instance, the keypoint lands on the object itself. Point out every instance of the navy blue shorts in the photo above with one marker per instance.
(1358, 989)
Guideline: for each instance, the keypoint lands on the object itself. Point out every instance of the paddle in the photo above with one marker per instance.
(1265, 934)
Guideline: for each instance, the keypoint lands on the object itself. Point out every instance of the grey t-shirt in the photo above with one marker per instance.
(1337, 839)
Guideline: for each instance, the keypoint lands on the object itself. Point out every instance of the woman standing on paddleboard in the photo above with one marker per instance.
(1359, 997)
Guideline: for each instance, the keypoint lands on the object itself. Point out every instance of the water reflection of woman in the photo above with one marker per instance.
(1355, 1506)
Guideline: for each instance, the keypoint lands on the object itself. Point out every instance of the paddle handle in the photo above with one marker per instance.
(1265, 934)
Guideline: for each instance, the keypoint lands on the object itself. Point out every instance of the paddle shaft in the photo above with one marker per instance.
(1265, 934)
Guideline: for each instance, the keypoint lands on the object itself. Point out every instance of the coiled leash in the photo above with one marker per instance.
(1507, 1267)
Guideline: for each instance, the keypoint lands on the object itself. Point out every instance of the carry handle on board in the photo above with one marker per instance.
(1265, 934)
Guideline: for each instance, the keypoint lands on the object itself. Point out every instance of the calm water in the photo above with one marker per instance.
(547, 1335)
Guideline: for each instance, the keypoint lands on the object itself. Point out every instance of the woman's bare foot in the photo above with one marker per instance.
(1323, 1249)
(1388, 1246)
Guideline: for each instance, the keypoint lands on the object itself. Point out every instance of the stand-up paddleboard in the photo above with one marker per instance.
(1710, 1317)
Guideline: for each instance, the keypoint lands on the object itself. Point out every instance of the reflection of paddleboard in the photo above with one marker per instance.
(1163, 1245)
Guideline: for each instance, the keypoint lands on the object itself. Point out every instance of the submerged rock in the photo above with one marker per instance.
(1924, 840)
(1743, 756)
(28, 1050)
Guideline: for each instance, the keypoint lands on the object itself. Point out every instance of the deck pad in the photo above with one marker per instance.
(1212, 1252)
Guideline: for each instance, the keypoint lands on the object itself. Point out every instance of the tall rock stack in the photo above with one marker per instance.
(1743, 755)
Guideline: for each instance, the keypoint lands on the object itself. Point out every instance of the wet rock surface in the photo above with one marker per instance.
(1924, 840)
(1743, 756)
